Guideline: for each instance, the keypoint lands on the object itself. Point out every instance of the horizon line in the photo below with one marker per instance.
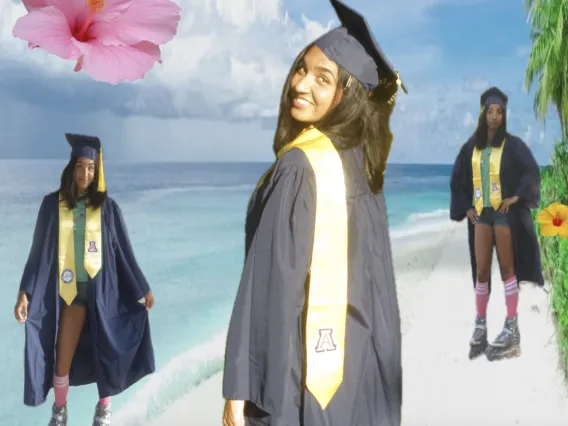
(193, 161)
(394, 163)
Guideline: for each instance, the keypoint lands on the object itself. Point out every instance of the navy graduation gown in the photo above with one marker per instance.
(264, 362)
(115, 349)
(520, 176)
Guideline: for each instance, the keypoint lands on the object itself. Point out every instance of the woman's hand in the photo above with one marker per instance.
(472, 215)
(149, 301)
(507, 202)
(234, 413)
(21, 308)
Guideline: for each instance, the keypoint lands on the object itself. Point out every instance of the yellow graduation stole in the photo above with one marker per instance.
(66, 249)
(495, 197)
(327, 295)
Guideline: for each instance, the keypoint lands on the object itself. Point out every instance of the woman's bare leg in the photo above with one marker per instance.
(505, 251)
(507, 343)
(484, 240)
(71, 322)
(483, 254)
(506, 256)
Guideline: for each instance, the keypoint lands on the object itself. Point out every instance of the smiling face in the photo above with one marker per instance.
(84, 173)
(494, 117)
(314, 87)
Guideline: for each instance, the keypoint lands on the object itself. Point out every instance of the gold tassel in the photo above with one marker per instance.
(101, 185)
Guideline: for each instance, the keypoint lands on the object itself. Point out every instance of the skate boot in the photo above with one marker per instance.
(102, 415)
(507, 344)
(58, 415)
(478, 341)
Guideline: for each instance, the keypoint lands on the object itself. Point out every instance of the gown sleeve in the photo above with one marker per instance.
(33, 268)
(460, 201)
(129, 273)
(528, 189)
(271, 290)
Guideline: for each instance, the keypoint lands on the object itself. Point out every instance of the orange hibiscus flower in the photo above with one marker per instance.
(553, 220)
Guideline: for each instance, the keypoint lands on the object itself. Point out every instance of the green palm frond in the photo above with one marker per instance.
(560, 39)
(548, 60)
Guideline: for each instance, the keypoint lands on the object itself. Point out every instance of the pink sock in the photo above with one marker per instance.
(511, 296)
(60, 389)
(103, 402)
(481, 298)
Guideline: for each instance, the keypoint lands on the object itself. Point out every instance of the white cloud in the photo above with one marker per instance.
(431, 124)
(228, 63)
(230, 56)
(235, 50)
(226, 50)
(469, 120)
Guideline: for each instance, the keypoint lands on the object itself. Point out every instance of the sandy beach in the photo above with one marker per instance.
(442, 387)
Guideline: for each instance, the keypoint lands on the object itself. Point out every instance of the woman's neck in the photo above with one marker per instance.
(490, 136)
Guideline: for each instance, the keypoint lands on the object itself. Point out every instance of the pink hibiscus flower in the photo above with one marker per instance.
(112, 40)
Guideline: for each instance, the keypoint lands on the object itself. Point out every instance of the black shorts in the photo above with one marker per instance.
(82, 298)
(490, 216)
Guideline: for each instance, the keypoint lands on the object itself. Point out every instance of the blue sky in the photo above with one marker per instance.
(216, 95)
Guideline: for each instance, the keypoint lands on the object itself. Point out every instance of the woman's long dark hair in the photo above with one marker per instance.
(69, 191)
(480, 134)
(358, 119)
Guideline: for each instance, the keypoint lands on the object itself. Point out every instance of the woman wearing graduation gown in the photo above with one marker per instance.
(314, 338)
(82, 297)
(495, 183)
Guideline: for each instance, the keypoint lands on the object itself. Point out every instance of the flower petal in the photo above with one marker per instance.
(554, 208)
(563, 211)
(74, 10)
(548, 230)
(150, 49)
(47, 28)
(113, 64)
(544, 217)
(34, 4)
(113, 9)
(143, 20)
(563, 230)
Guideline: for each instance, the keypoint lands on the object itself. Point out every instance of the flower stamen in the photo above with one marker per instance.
(557, 221)
(96, 5)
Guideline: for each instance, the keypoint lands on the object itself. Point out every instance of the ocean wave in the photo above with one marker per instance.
(208, 188)
(416, 180)
(147, 195)
(418, 224)
(179, 376)
(433, 215)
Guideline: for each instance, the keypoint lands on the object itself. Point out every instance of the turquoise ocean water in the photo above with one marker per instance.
(186, 223)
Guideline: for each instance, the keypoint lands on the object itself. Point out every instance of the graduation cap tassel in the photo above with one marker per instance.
(400, 85)
(101, 184)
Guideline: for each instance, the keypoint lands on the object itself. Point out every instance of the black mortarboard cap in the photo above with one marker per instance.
(84, 146)
(493, 96)
(353, 47)
(88, 147)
